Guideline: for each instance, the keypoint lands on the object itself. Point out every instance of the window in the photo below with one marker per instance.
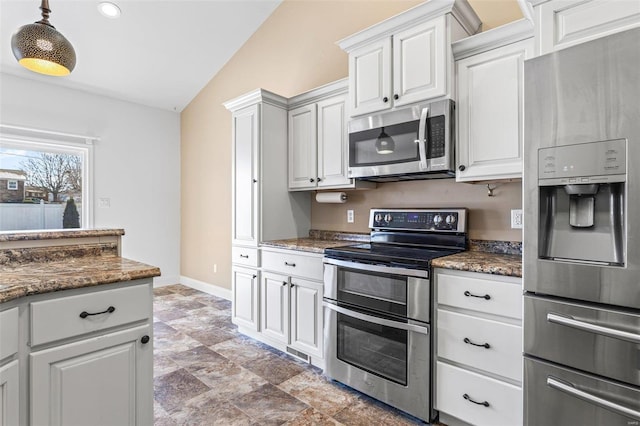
(57, 171)
(12, 185)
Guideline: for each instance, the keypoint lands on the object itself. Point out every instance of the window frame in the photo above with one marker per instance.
(34, 140)
(12, 185)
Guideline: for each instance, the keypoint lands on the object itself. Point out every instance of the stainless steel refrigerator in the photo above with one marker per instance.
(582, 234)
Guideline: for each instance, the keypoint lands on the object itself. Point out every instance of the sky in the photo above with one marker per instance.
(11, 158)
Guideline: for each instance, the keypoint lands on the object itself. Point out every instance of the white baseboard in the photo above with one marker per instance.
(162, 281)
(225, 293)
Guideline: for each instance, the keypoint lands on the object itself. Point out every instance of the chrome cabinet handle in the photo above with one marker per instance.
(569, 388)
(468, 398)
(570, 321)
(85, 314)
(293, 265)
(469, 342)
(469, 294)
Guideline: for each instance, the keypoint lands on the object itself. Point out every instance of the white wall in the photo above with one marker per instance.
(136, 162)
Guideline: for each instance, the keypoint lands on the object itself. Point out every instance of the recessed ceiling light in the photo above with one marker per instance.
(108, 9)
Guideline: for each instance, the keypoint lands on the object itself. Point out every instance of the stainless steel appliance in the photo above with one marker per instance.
(582, 234)
(377, 305)
(416, 142)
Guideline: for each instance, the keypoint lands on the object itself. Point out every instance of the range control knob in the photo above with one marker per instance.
(388, 218)
(437, 219)
(450, 219)
(378, 217)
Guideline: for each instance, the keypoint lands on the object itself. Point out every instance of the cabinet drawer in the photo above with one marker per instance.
(453, 384)
(473, 291)
(60, 318)
(458, 335)
(245, 256)
(295, 264)
(8, 332)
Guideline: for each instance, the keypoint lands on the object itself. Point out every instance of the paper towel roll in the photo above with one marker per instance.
(331, 197)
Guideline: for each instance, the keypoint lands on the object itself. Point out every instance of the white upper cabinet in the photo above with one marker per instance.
(263, 209)
(489, 77)
(564, 23)
(406, 59)
(318, 140)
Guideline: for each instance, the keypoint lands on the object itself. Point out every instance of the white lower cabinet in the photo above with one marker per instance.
(96, 381)
(478, 322)
(9, 394)
(244, 283)
(290, 302)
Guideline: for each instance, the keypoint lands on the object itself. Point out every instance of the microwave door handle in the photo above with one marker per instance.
(422, 138)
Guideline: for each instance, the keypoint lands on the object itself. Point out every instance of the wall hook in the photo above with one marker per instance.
(490, 190)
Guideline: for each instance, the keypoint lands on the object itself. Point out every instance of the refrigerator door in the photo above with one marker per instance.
(559, 396)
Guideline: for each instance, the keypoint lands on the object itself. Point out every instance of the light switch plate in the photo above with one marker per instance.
(350, 218)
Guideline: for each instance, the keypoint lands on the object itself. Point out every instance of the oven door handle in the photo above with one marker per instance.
(391, 270)
(376, 320)
(422, 138)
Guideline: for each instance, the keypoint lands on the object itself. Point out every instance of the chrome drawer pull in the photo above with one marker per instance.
(468, 398)
(569, 388)
(483, 345)
(570, 321)
(109, 310)
(468, 294)
(290, 264)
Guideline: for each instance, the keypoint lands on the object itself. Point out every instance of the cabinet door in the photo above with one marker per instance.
(306, 316)
(274, 306)
(333, 149)
(104, 380)
(419, 63)
(9, 394)
(490, 113)
(245, 297)
(246, 125)
(370, 78)
(302, 147)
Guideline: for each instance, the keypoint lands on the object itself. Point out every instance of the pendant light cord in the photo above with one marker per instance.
(44, 7)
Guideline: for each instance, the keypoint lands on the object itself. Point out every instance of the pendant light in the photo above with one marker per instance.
(385, 143)
(40, 48)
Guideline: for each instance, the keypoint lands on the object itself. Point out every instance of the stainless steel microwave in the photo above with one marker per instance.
(416, 142)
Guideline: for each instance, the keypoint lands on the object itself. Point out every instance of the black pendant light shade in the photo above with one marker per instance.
(385, 143)
(40, 48)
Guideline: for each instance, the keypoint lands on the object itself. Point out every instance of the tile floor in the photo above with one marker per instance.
(206, 373)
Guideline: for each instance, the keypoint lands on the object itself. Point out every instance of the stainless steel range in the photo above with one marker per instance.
(377, 305)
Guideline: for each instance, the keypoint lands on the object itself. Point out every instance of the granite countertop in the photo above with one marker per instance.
(317, 241)
(58, 234)
(25, 279)
(484, 262)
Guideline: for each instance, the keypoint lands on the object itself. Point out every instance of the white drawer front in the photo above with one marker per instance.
(482, 295)
(504, 354)
(300, 265)
(504, 400)
(245, 256)
(8, 332)
(61, 318)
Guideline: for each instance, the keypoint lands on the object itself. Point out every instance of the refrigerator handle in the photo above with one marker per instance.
(422, 138)
(569, 321)
(570, 389)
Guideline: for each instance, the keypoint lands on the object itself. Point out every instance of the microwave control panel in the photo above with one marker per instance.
(449, 220)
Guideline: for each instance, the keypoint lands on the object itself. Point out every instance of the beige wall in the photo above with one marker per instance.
(294, 51)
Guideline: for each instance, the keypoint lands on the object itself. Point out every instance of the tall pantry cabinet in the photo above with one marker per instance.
(262, 207)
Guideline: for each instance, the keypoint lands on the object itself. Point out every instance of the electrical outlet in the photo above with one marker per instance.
(350, 218)
(215, 268)
(104, 202)
(516, 219)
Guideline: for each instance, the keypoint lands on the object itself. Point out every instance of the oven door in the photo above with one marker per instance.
(394, 291)
(379, 356)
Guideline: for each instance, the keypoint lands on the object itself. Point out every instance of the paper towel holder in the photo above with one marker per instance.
(331, 197)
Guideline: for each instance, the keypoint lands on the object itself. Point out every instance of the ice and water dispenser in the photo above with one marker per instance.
(582, 202)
